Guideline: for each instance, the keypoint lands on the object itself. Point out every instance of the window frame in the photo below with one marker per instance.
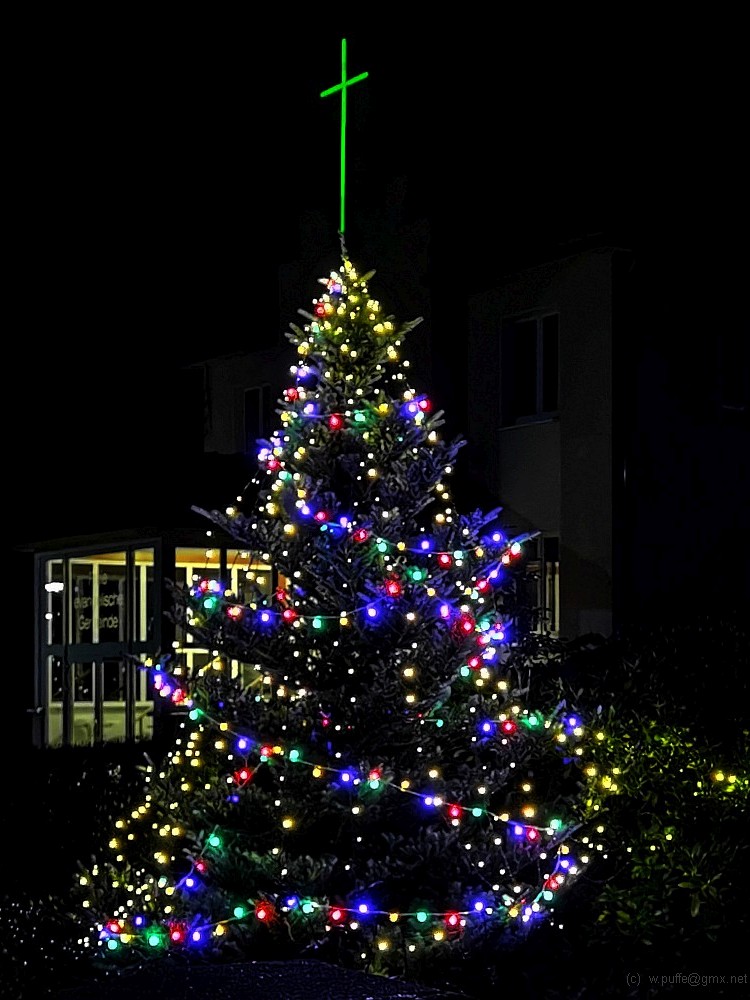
(509, 370)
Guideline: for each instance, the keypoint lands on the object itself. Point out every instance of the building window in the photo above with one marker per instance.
(247, 579)
(100, 631)
(258, 416)
(98, 610)
(543, 582)
(529, 365)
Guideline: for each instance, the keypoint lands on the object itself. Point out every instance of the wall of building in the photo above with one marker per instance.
(554, 476)
(683, 427)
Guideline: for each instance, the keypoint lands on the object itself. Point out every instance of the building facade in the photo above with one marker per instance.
(600, 406)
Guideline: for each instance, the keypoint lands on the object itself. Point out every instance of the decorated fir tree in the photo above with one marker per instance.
(366, 770)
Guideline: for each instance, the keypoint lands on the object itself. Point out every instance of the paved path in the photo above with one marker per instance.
(295, 980)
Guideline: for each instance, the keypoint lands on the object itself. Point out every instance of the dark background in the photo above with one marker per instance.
(160, 167)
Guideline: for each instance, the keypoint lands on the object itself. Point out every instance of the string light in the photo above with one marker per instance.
(366, 581)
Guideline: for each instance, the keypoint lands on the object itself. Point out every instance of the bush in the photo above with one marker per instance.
(670, 781)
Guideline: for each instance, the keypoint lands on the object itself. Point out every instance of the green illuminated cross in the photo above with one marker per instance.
(332, 90)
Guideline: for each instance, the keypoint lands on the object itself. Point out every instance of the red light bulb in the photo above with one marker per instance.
(466, 624)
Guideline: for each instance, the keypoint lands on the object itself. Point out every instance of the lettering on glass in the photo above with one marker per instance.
(107, 610)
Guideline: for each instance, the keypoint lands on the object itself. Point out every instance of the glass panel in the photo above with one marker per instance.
(82, 600)
(180, 578)
(113, 680)
(198, 563)
(56, 678)
(194, 661)
(191, 566)
(54, 602)
(54, 728)
(250, 579)
(143, 598)
(250, 674)
(518, 370)
(83, 704)
(98, 598)
(83, 682)
(83, 726)
(58, 695)
(110, 602)
(145, 703)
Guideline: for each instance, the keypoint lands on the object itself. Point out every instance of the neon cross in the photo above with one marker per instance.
(332, 90)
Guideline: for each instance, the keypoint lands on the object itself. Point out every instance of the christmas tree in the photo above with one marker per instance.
(367, 769)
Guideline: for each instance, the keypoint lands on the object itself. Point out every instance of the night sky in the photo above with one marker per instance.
(160, 170)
